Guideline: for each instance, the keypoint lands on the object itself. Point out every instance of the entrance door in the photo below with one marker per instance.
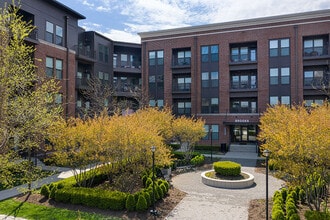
(243, 133)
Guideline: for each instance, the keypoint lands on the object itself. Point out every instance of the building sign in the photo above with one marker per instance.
(242, 120)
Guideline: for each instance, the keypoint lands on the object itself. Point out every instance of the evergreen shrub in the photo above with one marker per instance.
(227, 168)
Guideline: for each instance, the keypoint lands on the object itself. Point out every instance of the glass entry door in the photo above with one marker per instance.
(243, 133)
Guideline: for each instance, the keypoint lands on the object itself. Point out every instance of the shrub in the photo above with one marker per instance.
(159, 191)
(53, 191)
(45, 191)
(130, 203)
(62, 195)
(163, 187)
(198, 160)
(315, 215)
(148, 182)
(294, 216)
(278, 215)
(227, 168)
(284, 193)
(302, 196)
(148, 198)
(141, 204)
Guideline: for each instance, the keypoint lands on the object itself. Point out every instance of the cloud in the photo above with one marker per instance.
(151, 15)
(124, 36)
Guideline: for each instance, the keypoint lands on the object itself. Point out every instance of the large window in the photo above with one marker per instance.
(210, 105)
(243, 106)
(210, 53)
(243, 81)
(313, 77)
(210, 79)
(184, 57)
(184, 108)
(156, 57)
(182, 84)
(50, 68)
(103, 53)
(54, 33)
(284, 100)
(244, 53)
(279, 76)
(212, 131)
(279, 47)
(314, 46)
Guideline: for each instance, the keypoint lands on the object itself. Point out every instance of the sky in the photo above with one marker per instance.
(122, 20)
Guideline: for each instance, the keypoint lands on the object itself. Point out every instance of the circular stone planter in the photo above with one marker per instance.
(228, 184)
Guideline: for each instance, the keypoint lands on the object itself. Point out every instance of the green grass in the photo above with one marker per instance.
(27, 210)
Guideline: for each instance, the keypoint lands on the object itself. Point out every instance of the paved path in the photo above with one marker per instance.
(209, 203)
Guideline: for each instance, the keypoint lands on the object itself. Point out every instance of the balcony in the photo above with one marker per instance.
(243, 53)
(181, 88)
(85, 53)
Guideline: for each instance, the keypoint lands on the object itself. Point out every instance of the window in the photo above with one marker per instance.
(183, 84)
(279, 76)
(184, 57)
(153, 57)
(152, 103)
(59, 69)
(49, 32)
(123, 60)
(59, 36)
(313, 77)
(273, 76)
(275, 100)
(205, 53)
(313, 47)
(243, 53)
(279, 47)
(243, 81)
(58, 98)
(310, 101)
(285, 76)
(79, 103)
(243, 106)
(103, 53)
(210, 79)
(210, 53)
(160, 57)
(49, 66)
(211, 131)
(106, 76)
(210, 105)
(101, 75)
(184, 108)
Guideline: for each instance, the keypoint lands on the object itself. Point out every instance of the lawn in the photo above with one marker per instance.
(27, 210)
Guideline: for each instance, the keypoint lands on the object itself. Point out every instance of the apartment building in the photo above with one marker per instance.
(76, 57)
(228, 73)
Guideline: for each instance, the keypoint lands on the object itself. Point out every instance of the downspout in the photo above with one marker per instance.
(296, 62)
(67, 67)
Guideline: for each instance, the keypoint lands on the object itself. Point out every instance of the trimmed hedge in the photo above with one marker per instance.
(227, 168)
(315, 215)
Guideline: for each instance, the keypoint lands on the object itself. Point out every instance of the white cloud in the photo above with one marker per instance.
(151, 15)
(124, 36)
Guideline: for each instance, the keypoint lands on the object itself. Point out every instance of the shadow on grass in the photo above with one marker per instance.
(18, 208)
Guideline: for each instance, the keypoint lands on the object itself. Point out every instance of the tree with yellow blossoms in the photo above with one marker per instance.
(299, 141)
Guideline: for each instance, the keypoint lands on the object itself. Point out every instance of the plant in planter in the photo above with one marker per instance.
(227, 168)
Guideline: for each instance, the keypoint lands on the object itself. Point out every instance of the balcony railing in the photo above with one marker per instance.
(243, 110)
(182, 88)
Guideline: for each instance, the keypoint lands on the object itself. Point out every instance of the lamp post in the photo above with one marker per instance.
(153, 211)
(211, 144)
(266, 154)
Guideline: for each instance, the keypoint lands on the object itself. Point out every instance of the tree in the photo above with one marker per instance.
(188, 131)
(300, 144)
(27, 99)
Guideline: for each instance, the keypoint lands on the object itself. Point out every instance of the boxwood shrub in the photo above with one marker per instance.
(227, 168)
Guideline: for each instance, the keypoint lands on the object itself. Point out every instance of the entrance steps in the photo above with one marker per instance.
(246, 148)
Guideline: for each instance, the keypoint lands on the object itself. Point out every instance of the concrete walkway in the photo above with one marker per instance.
(210, 203)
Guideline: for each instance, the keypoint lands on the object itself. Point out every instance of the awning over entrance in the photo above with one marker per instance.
(240, 123)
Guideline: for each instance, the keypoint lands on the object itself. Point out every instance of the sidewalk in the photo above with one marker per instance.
(16, 191)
